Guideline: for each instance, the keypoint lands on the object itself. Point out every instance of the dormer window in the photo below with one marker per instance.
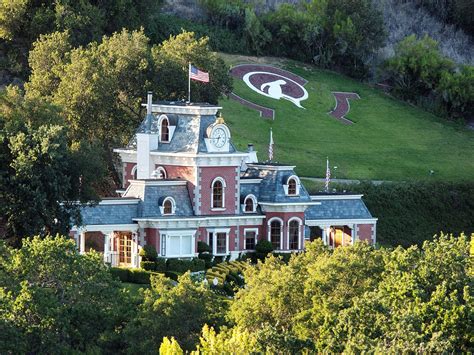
(218, 193)
(168, 207)
(134, 172)
(250, 204)
(165, 130)
(292, 186)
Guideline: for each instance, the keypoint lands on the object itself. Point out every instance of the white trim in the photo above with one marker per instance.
(289, 203)
(271, 167)
(224, 185)
(203, 218)
(106, 228)
(184, 109)
(160, 169)
(338, 222)
(336, 197)
(250, 181)
(117, 201)
(173, 206)
(269, 231)
(245, 237)
(214, 232)
(155, 182)
(133, 172)
(254, 205)
(298, 185)
(300, 223)
(178, 233)
(204, 221)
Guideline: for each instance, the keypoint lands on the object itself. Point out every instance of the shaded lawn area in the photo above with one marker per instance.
(390, 140)
(134, 289)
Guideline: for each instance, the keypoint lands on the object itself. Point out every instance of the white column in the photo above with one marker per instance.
(82, 247)
(325, 242)
(353, 235)
(375, 233)
(106, 248)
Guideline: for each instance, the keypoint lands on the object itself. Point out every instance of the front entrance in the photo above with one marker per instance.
(125, 248)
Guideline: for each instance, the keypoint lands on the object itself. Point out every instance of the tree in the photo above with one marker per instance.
(457, 90)
(55, 300)
(42, 175)
(171, 60)
(169, 310)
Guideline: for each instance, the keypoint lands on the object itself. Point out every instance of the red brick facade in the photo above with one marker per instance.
(365, 232)
(206, 177)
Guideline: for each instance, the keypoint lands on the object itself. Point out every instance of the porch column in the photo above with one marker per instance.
(135, 262)
(353, 235)
(324, 237)
(107, 248)
(82, 245)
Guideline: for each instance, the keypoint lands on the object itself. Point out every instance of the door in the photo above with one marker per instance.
(338, 236)
(125, 249)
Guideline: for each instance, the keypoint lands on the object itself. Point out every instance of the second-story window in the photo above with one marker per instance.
(218, 187)
(165, 130)
(292, 187)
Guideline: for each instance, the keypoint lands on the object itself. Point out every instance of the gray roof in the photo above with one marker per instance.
(271, 187)
(188, 135)
(338, 209)
(109, 214)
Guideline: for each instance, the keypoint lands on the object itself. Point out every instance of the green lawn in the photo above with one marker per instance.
(134, 289)
(390, 140)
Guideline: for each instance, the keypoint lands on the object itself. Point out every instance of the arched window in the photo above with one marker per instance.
(134, 172)
(275, 234)
(293, 234)
(159, 173)
(165, 130)
(218, 186)
(168, 207)
(250, 204)
(292, 187)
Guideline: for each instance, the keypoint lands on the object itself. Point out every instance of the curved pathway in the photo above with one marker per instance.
(343, 106)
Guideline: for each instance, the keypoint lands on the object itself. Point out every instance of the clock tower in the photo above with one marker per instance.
(218, 136)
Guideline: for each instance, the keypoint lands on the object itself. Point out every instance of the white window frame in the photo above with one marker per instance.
(222, 180)
(214, 231)
(298, 185)
(254, 200)
(300, 222)
(178, 233)
(159, 170)
(134, 171)
(269, 231)
(173, 206)
(245, 236)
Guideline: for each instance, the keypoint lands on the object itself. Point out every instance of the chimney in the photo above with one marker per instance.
(146, 142)
(249, 147)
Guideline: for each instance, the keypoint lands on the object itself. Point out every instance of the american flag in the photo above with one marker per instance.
(199, 75)
(270, 146)
(328, 175)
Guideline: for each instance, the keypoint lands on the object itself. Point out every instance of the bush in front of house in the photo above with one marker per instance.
(203, 247)
(263, 248)
(148, 265)
(183, 265)
(148, 253)
(136, 276)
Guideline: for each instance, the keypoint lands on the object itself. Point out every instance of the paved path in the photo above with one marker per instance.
(344, 181)
(343, 106)
(264, 111)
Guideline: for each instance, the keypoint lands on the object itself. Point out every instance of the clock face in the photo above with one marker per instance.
(219, 137)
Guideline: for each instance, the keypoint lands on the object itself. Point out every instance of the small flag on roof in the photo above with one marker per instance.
(270, 146)
(328, 175)
(199, 75)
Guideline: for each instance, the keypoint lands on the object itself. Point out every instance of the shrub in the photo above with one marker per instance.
(160, 265)
(148, 265)
(148, 253)
(218, 260)
(285, 257)
(179, 265)
(121, 273)
(263, 248)
(207, 259)
(252, 256)
(198, 265)
(172, 275)
(138, 276)
(203, 247)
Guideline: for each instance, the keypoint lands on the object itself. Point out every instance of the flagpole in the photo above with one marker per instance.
(189, 82)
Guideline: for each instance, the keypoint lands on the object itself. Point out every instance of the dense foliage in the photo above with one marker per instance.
(42, 173)
(422, 75)
(53, 300)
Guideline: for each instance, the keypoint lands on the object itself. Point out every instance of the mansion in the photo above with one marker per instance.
(184, 182)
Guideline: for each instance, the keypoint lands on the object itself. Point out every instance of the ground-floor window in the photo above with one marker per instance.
(250, 239)
(179, 245)
(275, 234)
(221, 243)
(294, 233)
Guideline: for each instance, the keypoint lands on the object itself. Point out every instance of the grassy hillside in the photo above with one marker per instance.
(390, 140)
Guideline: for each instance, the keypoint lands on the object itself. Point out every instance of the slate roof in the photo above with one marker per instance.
(109, 214)
(271, 187)
(338, 209)
(188, 136)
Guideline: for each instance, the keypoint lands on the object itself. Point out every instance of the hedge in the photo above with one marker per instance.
(136, 276)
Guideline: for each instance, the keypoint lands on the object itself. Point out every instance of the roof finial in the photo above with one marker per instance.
(220, 119)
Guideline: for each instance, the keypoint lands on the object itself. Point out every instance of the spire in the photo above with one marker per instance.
(220, 118)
